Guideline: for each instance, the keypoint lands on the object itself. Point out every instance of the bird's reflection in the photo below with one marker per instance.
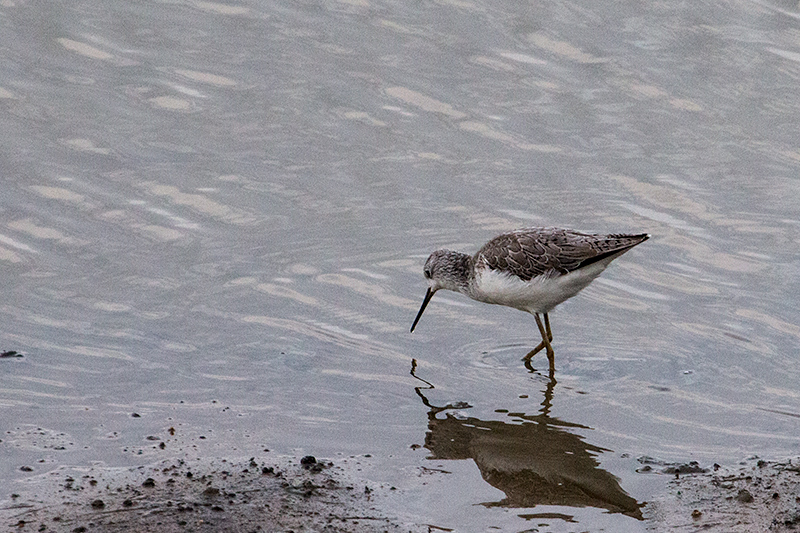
(536, 460)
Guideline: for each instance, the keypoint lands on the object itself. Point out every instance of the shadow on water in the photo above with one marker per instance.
(536, 462)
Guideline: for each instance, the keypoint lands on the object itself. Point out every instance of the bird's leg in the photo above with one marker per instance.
(547, 336)
(539, 348)
(546, 340)
(547, 327)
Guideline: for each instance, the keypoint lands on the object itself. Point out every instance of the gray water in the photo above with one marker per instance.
(215, 216)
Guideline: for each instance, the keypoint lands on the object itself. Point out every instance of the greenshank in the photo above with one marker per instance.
(530, 269)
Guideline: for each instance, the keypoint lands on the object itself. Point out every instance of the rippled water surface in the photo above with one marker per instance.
(214, 216)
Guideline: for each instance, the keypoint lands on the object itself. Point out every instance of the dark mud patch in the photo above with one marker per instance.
(204, 495)
(754, 496)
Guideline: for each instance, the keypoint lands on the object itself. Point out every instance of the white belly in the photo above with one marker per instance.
(539, 295)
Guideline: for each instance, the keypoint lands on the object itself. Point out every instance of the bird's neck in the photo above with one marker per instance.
(463, 272)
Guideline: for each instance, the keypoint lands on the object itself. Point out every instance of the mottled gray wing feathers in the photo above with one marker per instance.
(532, 252)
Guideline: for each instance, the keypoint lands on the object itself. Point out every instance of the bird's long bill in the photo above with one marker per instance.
(428, 296)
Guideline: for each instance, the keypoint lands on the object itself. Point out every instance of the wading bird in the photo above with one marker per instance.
(531, 269)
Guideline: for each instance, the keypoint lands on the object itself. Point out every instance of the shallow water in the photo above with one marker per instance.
(215, 216)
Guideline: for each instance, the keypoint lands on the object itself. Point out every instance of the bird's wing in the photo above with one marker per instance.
(536, 252)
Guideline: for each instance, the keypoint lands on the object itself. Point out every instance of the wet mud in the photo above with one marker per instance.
(753, 496)
(278, 493)
(274, 492)
(219, 495)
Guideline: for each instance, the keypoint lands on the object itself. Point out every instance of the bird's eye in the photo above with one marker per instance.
(427, 273)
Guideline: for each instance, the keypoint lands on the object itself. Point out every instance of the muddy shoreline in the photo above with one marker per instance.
(217, 495)
(278, 493)
(753, 496)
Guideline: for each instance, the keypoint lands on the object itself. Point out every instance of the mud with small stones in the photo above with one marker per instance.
(753, 496)
(204, 495)
(278, 493)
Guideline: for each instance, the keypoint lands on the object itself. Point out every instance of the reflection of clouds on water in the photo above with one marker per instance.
(534, 460)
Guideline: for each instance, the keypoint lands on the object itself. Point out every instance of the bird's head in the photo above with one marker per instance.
(444, 269)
